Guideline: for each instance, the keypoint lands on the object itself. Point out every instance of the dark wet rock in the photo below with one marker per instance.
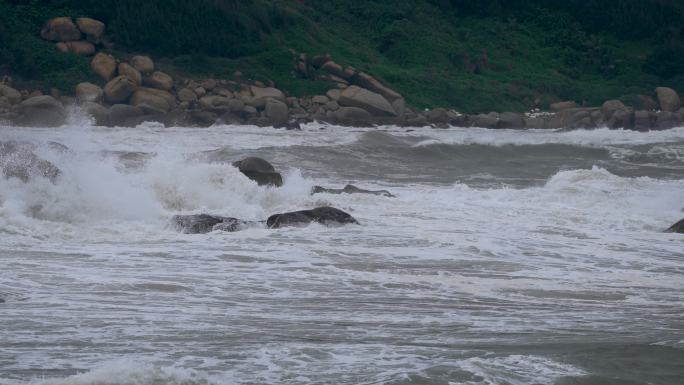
(677, 227)
(644, 120)
(328, 216)
(511, 120)
(350, 189)
(574, 118)
(124, 115)
(622, 118)
(17, 160)
(2, 300)
(666, 120)
(484, 121)
(41, 111)
(205, 223)
(260, 171)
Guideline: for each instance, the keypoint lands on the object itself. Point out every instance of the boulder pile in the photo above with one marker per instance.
(133, 90)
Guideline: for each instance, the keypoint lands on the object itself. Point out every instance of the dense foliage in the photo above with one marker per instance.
(472, 55)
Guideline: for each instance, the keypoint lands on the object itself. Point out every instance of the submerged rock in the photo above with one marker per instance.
(205, 223)
(677, 227)
(17, 160)
(260, 171)
(350, 189)
(328, 216)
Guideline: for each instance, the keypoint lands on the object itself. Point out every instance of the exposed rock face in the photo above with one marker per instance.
(610, 107)
(124, 115)
(484, 121)
(142, 64)
(98, 112)
(573, 118)
(205, 223)
(260, 171)
(82, 48)
(328, 216)
(17, 160)
(13, 96)
(439, 116)
(41, 111)
(677, 227)
(263, 93)
(623, 118)
(89, 92)
(60, 29)
(560, 106)
(187, 95)
(277, 113)
(160, 81)
(362, 98)
(352, 116)
(370, 83)
(128, 70)
(666, 120)
(104, 65)
(152, 101)
(668, 99)
(119, 89)
(644, 120)
(350, 189)
(93, 29)
(511, 120)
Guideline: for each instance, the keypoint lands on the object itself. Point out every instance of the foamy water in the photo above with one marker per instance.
(507, 257)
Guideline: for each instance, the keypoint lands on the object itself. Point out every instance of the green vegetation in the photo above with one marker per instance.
(470, 55)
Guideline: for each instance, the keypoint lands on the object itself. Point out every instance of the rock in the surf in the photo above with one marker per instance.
(350, 189)
(677, 227)
(260, 171)
(328, 216)
(205, 223)
(17, 160)
(43, 110)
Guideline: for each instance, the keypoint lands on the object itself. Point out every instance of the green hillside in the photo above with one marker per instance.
(472, 56)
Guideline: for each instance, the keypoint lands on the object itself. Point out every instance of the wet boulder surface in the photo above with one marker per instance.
(350, 189)
(260, 171)
(206, 223)
(677, 227)
(328, 216)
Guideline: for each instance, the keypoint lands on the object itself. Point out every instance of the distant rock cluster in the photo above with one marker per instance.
(134, 90)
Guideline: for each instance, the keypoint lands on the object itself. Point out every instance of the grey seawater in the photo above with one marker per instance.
(507, 257)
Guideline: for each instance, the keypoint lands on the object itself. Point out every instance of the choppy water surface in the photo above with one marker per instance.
(507, 257)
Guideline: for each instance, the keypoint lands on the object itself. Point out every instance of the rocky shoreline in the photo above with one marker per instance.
(134, 91)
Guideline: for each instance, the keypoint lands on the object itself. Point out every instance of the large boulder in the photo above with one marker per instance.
(142, 64)
(511, 120)
(60, 29)
(128, 70)
(88, 92)
(151, 100)
(573, 118)
(104, 65)
(374, 103)
(159, 80)
(93, 29)
(677, 227)
(215, 103)
(277, 112)
(328, 216)
(187, 95)
(439, 116)
(123, 115)
(83, 48)
(262, 93)
(260, 171)
(666, 120)
(350, 189)
(41, 111)
(352, 116)
(609, 108)
(368, 82)
(98, 112)
(560, 106)
(13, 96)
(668, 99)
(644, 120)
(17, 160)
(484, 121)
(119, 89)
(205, 223)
